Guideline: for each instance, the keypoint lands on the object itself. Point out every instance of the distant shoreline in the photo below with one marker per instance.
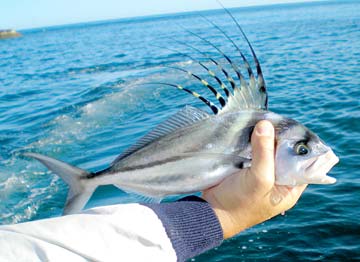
(9, 33)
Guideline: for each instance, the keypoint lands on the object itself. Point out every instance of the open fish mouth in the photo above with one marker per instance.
(317, 171)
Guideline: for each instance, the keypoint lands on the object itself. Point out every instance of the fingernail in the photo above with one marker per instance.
(264, 128)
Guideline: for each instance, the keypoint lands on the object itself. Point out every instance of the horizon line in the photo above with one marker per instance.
(162, 15)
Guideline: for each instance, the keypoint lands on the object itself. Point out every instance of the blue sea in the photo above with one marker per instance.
(79, 93)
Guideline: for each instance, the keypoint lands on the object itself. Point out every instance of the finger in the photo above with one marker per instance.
(262, 142)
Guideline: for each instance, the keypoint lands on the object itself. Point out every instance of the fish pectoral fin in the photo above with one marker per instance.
(138, 197)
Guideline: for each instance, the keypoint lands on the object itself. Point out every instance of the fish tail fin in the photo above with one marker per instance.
(79, 192)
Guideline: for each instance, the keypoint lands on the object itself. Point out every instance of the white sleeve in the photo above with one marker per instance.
(130, 232)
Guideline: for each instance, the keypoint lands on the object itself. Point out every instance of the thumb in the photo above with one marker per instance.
(262, 143)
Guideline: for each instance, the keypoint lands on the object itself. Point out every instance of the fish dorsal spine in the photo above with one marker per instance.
(243, 93)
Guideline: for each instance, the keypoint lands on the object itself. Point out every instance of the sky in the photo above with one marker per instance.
(23, 14)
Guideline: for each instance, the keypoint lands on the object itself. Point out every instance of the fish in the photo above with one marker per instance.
(193, 150)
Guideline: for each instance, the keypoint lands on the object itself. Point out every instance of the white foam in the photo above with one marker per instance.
(68, 135)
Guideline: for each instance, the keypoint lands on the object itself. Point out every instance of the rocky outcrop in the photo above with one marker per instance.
(8, 34)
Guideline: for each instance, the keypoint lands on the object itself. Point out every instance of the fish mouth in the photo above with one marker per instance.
(311, 163)
(319, 167)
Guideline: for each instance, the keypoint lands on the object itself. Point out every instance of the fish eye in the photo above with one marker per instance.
(301, 149)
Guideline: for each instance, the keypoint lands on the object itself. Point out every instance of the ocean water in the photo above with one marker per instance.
(79, 93)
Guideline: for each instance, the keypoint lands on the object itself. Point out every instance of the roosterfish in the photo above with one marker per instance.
(193, 150)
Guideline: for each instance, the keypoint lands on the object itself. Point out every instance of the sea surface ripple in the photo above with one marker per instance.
(79, 93)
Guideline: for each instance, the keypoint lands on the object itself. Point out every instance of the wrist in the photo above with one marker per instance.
(230, 225)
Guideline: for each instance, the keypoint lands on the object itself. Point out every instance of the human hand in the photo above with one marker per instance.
(250, 196)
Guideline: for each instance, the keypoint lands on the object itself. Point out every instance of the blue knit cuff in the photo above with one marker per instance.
(191, 225)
